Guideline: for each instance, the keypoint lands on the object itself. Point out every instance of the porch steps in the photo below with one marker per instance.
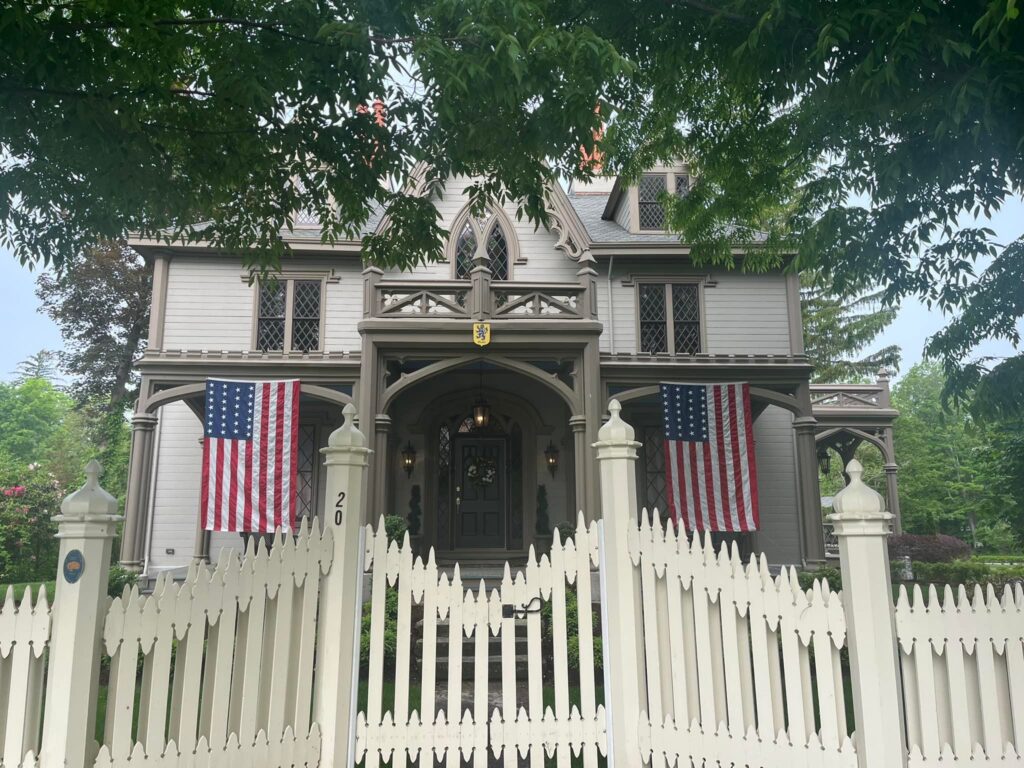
(493, 651)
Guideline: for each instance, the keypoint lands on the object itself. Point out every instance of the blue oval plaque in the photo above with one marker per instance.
(74, 566)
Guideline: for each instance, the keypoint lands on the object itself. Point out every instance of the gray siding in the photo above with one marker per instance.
(743, 313)
(210, 306)
(622, 211)
(176, 492)
(779, 536)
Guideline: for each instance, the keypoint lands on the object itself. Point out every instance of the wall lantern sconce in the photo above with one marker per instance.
(551, 457)
(824, 460)
(408, 459)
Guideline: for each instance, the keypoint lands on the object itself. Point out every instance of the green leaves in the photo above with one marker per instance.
(852, 136)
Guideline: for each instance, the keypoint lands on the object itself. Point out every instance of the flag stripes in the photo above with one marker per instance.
(709, 456)
(250, 451)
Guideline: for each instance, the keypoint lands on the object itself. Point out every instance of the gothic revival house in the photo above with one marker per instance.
(603, 304)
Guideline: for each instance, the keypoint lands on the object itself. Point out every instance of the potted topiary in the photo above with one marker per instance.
(542, 528)
(415, 518)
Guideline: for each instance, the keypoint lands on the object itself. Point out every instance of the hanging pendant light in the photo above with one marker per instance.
(481, 408)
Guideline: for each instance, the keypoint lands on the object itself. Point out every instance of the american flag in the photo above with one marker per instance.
(709, 456)
(250, 455)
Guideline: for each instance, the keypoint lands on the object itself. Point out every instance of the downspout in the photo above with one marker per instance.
(611, 317)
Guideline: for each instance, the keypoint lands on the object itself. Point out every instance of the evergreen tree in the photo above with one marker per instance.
(41, 365)
(838, 329)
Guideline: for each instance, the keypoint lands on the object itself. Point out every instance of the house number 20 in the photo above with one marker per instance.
(339, 507)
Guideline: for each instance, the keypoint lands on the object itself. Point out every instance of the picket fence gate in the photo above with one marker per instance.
(707, 660)
(446, 732)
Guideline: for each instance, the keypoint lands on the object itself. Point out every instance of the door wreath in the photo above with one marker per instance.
(481, 471)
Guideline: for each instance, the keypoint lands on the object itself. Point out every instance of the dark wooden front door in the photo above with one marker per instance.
(481, 492)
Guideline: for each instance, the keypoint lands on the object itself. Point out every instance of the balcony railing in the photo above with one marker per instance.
(435, 299)
(478, 298)
(854, 396)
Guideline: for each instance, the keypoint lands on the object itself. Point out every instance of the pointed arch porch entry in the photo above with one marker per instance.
(479, 485)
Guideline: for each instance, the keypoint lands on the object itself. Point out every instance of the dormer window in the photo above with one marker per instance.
(650, 189)
(493, 230)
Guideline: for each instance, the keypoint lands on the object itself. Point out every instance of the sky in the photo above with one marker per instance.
(28, 331)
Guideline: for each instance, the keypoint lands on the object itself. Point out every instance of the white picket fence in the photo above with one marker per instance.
(736, 661)
(228, 651)
(443, 730)
(963, 675)
(24, 637)
(707, 660)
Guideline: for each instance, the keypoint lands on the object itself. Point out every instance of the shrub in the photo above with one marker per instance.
(832, 575)
(390, 635)
(395, 527)
(572, 630)
(119, 579)
(930, 548)
(566, 531)
(969, 573)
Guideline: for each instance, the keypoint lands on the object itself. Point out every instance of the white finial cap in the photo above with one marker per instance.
(348, 434)
(615, 430)
(857, 499)
(90, 499)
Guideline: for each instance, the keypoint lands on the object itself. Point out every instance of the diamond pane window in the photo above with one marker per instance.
(686, 318)
(670, 318)
(682, 185)
(444, 463)
(271, 322)
(652, 494)
(652, 215)
(305, 486)
(464, 250)
(289, 315)
(497, 252)
(653, 322)
(306, 315)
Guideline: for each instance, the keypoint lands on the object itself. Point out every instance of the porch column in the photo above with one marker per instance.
(370, 387)
(382, 430)
(593, 410)
(580, 459)
(892, 497)
(136, 506)
(808, 489)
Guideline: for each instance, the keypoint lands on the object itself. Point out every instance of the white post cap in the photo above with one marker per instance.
(348, 434)
(90, 500)
(857, 500)
(615, 430)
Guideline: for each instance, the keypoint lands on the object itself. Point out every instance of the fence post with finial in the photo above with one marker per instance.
(616, 459)
(337, 678)
(86, 527)
(861, 524)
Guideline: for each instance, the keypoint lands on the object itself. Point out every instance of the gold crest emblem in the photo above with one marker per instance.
(481, 334)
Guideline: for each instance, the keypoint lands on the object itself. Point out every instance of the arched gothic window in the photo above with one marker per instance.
(497, 252)
(493, 231)
(465, 247)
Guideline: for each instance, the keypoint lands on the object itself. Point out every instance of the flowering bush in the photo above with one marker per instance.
(28, 549)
